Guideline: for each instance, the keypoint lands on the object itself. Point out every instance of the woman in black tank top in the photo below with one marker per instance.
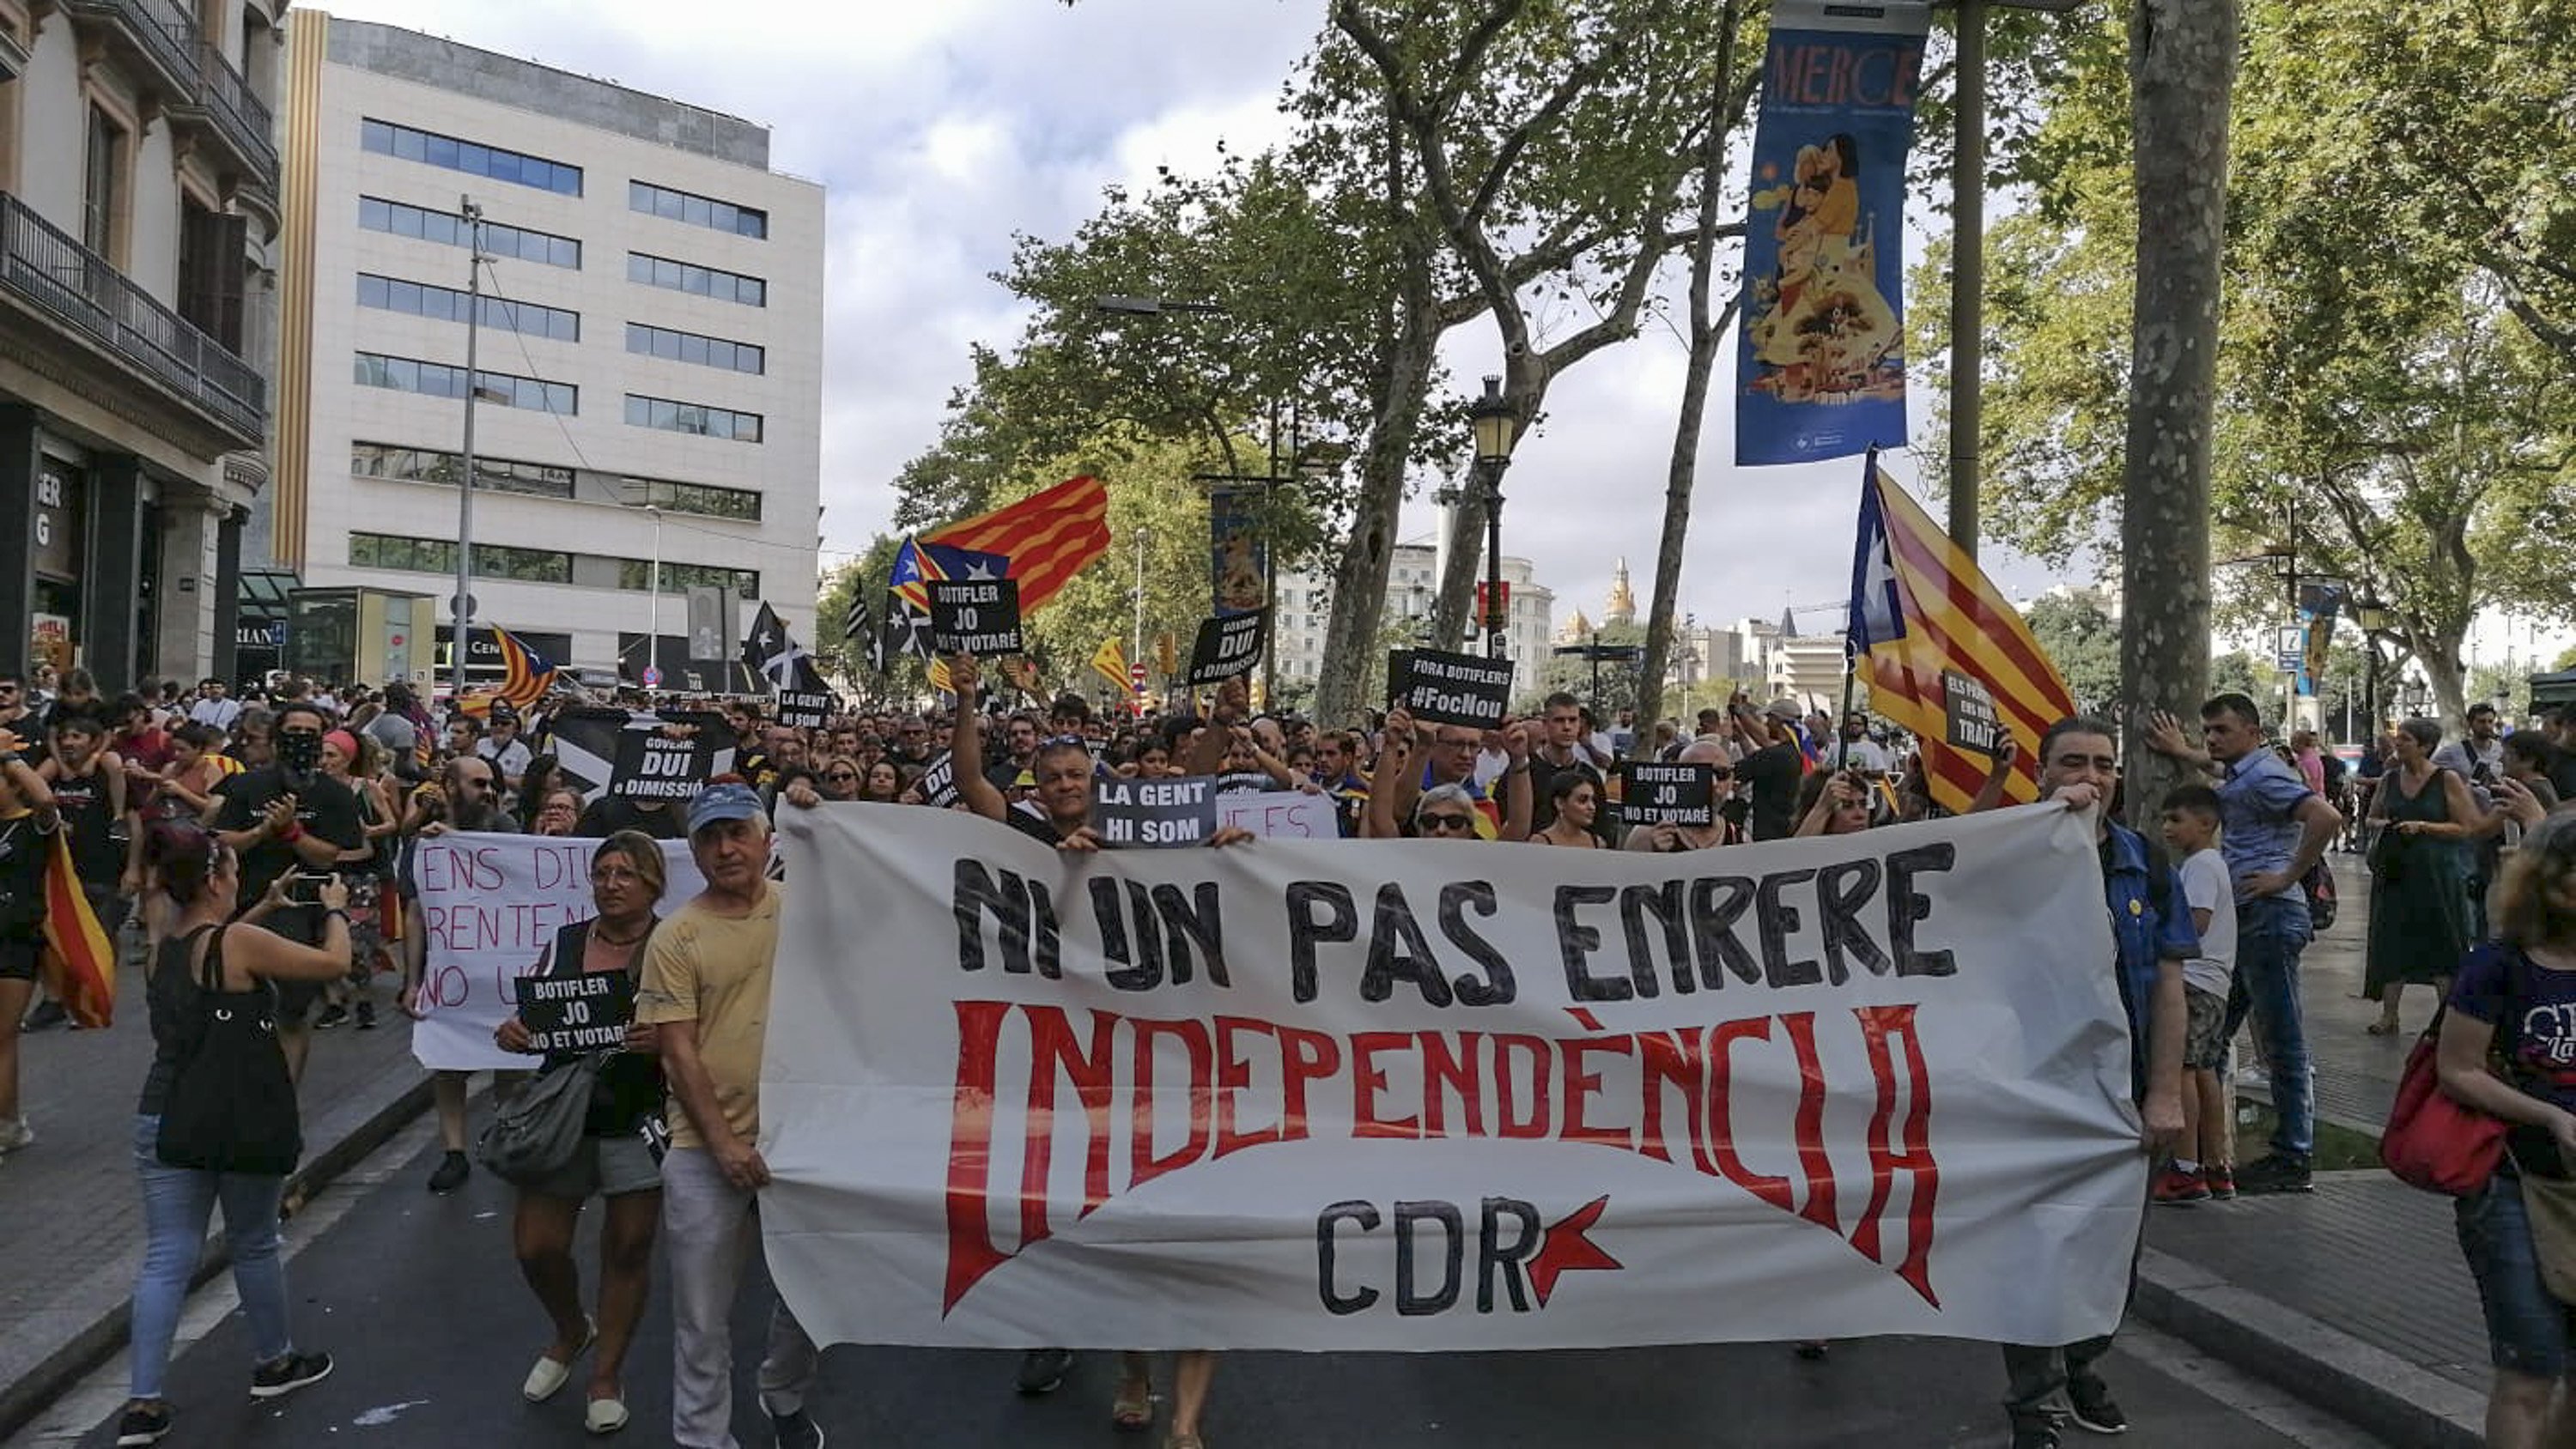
(615, 1160)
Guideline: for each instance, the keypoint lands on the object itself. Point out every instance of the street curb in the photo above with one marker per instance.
(2355, 1381)
(346, 1134)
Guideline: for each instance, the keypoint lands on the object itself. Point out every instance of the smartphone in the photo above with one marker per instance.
(304, 888)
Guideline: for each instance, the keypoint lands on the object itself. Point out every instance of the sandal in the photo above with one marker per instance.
(2382, 1028)
(1133, 1410)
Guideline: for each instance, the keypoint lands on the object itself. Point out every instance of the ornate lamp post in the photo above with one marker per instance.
(1496, 425)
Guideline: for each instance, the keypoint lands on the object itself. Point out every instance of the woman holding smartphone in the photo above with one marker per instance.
(200, 878)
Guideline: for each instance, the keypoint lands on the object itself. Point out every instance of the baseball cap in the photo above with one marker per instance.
(728, 801)
(1782, 709)
(502, 709)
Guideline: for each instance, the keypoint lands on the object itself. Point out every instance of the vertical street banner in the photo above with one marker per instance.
(1238, 556)
(490, 905)
(1820, 365)
(1364, 1095)
(2319, 603)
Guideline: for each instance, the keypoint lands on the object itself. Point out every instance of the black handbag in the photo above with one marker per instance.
(536, 1134)
(231, 1106)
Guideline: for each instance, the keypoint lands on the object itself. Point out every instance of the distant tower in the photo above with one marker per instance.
(1574, 630)
(1621, 607)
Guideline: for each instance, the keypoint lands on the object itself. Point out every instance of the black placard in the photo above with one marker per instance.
(938, 784)
(975, 616)
(584, 1013)
(1228, 647)
(662, 764)
(1154, 814)
(1654, 794)
(806, 711)
(1443, 688)
(1246, 782)
(1970, 706)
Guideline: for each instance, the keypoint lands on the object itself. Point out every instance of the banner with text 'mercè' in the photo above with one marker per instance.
(1820, 364)
(1395, 1095)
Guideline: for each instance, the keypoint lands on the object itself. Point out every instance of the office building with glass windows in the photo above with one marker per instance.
(648, 368)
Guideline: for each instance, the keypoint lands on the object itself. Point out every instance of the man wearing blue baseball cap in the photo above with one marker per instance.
(706, 987)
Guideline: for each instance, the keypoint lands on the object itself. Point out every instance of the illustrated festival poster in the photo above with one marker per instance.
(1820, 366)
(1238, 558)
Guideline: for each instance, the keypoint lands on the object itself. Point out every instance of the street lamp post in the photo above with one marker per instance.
(463, 603)
(1142, 534)
(1495, 425)
(653, 624)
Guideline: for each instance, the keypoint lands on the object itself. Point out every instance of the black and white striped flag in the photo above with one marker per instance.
(855, 622)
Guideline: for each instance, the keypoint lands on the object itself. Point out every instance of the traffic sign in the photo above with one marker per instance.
(469, 606)
(1136, 678)
(652, 677)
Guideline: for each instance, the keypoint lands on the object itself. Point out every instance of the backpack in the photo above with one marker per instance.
(231, 1106)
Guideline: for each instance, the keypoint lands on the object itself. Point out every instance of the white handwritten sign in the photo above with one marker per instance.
(490, 904)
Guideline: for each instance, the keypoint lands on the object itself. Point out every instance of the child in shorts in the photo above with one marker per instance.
(2204, 1163)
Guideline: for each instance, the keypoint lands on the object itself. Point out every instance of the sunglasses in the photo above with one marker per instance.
(840, 775)
(1446, 822)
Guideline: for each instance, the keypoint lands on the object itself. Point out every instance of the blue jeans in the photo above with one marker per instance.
(2527, 1329)
(177, 1201)
(2270, 934)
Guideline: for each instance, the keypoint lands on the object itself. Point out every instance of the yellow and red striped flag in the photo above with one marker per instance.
(1921, 608)
(79, 963)
(1110, 662)
(1048, 536)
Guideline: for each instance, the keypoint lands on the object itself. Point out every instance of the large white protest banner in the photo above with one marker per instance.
(1400, 1095)
(489, 905)
(1282, 814)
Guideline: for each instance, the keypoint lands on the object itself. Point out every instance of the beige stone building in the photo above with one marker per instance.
(139, 214)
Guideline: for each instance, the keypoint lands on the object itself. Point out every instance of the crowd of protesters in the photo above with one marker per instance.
(262, 849)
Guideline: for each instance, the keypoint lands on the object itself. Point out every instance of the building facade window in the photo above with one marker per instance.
(706, 211)
(636, 576)
(430, 465)
(705, 499)
(696, 280)
(104, 184)
(394, 218)
(404, 374)
(438, 556)
(471, 157)
(646, 340)
(448, 304)
(681, 417)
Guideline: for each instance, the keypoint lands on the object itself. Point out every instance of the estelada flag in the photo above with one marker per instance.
(1110, 661)
(526, 675)
(79, 962)
(1048, 536)
(1920, 607)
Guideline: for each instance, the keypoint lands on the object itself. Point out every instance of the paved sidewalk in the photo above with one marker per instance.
(2355, 1296)
(75, 1235)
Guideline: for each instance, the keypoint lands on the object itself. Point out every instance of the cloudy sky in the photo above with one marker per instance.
(941, 127)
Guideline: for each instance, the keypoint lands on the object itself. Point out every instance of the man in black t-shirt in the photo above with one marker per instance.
(282, 819)
(610, 814)
(1771, 766)
(1567, 750)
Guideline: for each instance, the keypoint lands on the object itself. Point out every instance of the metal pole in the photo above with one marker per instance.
(1967, 274)
(1138, 657)
(1494, 645)
(653, 648)
(1270, 571)
(464, 602)
(2290, 681)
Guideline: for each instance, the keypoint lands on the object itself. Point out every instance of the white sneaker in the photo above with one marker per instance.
(15, 1134)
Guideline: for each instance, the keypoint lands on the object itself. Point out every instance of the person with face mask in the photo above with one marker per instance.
(289, 818)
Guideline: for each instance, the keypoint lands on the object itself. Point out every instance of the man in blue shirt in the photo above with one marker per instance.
(2274, 829)
(2152, 935)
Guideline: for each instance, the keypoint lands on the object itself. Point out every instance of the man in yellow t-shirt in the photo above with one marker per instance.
(706, 987)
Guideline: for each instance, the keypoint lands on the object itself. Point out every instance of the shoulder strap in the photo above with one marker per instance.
(210, 972)
(570, 941)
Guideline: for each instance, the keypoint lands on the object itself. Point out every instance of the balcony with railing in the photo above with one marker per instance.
(163, 32)
(86, 296)
(238, 115)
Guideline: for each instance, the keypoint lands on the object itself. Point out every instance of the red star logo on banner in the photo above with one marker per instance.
(1566, 1249)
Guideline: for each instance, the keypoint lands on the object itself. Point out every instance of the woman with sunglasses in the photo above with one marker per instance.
(627, 878)
(840, 779)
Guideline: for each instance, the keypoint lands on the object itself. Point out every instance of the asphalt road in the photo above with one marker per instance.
(419, 1301)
